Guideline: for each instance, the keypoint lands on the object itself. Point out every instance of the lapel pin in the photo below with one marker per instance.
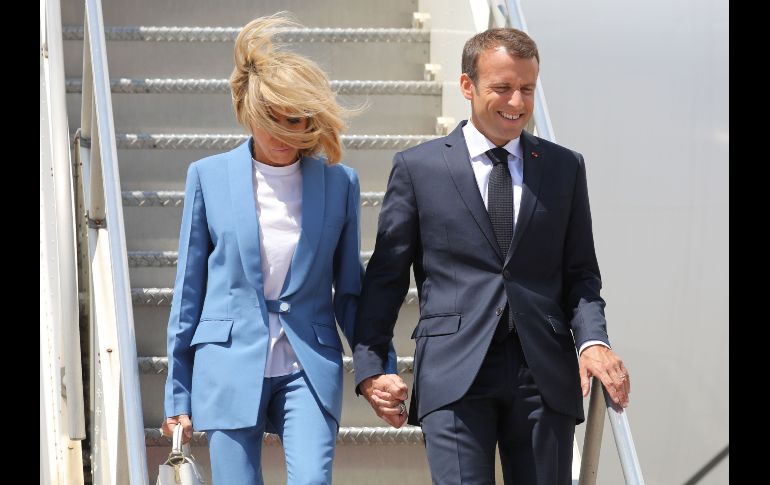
(534, 154)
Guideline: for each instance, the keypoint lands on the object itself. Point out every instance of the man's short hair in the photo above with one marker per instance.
(516, 42)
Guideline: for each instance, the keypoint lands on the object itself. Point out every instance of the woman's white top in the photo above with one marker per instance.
(278, 194)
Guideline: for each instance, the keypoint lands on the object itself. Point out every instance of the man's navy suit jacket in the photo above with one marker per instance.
(434, 219)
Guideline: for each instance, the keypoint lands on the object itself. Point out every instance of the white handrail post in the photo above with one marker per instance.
(592, 442)
(61, 458)
(65, 232)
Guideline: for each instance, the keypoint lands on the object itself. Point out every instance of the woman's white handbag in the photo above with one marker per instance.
(180, 467)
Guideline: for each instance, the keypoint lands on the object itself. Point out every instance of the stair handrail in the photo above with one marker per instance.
(117, 419)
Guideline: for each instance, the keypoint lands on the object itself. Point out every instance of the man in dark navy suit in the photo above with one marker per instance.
(497, 226)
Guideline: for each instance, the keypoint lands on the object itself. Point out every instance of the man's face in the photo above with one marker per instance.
(504, 96)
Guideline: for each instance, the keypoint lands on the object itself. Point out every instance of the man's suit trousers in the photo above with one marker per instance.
(502, 407)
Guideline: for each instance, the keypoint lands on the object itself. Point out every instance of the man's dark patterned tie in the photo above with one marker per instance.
(500, 198)
(500, 208)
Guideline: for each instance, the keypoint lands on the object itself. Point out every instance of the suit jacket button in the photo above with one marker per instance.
(498, 311)
(506, 274)
(284, 307)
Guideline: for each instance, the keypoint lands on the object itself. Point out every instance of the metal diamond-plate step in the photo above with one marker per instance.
(159, 365)
(175, 198)
(229, 141)
(211, 86)
(163, 296)
(228, 34)
(163, 259)
(363, 435)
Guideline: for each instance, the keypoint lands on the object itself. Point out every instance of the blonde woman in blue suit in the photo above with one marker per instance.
(268, 261)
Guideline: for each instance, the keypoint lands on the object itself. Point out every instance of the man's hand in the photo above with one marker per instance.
(386, 393)
(599, 361)
(167, 428)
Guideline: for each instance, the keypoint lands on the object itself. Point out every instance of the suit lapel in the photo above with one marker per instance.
(313, 188)
(530, 188)
(458, 161)
(244, 208)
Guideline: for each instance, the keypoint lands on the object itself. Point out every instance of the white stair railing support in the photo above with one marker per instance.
(117, 439)
(592, 442)
(65, 217)
(62, 416)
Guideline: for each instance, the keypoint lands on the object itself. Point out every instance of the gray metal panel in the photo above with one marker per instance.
(356, 411)
(373, 167)
(641, 89)
(157, 228)
(377, 61)
(382, 114)
(353, 464)
(151, 329)
(345, 13)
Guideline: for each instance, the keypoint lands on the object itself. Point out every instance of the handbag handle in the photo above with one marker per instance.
(180, 465)
(177, 448)
(176, 440)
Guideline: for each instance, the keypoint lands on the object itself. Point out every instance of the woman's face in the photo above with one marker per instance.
(270, 150)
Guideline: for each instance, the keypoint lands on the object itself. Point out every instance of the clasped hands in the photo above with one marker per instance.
(386, 394)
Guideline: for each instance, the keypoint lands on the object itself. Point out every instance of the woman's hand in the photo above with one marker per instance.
(167, 428)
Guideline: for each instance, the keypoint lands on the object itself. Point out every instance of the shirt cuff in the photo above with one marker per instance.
(590, 343)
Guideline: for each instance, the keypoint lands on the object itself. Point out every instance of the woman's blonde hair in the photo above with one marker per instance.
(268, 80)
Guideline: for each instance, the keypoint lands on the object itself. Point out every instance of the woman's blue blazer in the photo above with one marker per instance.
(218, 326)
